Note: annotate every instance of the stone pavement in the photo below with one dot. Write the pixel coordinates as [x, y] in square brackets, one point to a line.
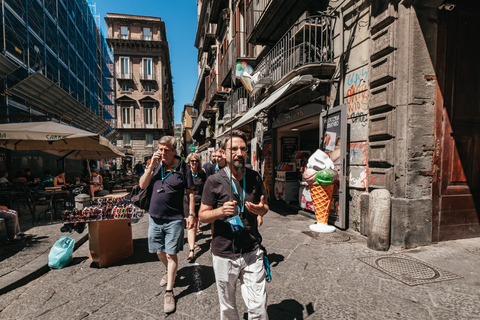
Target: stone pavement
[313, 278]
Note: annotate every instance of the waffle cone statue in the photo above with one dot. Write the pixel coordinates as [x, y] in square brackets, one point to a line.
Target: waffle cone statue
[320, 176]
[321, 198]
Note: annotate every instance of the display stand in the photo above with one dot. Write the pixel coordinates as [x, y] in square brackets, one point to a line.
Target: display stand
[110, 241]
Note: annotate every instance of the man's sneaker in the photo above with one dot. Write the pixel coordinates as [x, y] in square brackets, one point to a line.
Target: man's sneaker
[169, 304]
[164, 280]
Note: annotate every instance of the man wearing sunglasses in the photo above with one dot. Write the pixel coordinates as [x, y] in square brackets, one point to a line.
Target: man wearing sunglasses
[236, 254]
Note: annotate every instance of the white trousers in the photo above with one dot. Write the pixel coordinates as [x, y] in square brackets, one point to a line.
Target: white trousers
[249, 269]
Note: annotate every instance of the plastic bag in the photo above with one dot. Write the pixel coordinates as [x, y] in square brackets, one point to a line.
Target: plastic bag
[61, 253]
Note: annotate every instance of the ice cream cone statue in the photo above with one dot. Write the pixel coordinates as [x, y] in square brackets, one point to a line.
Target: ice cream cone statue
[320, 176]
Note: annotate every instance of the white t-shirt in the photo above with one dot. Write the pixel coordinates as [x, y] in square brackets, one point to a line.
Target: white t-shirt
[106, 166]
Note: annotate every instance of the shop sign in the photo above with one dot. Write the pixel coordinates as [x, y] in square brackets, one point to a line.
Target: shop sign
[333, 141]
[298, 114]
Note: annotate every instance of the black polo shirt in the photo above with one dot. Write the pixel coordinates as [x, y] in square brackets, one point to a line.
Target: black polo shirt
[167, 195]
[198, 182]
[224, 243]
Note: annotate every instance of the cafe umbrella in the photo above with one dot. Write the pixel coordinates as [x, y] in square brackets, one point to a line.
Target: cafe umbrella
[55, 138]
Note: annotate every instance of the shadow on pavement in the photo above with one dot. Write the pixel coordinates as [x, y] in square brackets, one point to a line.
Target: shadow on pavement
[286, 310]
[196, 278]
[275, 259]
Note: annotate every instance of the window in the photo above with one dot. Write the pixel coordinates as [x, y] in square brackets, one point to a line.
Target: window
[193, 122]
[125, 88]
[147, 69]
[146, 34]
[148, 117]
[126, 117]
[124, 32]
[148, 88]
[125, 68]
[194, 111]
[126, 140]
[149, 140]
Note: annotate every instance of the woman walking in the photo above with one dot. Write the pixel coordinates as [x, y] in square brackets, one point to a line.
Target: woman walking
[199, 177]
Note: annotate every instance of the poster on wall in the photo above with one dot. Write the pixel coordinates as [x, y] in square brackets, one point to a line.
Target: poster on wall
[333, 136]
[253, 156]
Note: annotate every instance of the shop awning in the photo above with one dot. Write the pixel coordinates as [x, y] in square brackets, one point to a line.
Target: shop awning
[267, 102]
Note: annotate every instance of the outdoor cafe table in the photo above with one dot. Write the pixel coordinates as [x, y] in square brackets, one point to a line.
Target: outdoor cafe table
[52, 194]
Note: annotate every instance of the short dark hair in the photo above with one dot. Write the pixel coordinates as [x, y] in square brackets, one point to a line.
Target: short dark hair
[234, 133]
[47, 173]
[27, 170]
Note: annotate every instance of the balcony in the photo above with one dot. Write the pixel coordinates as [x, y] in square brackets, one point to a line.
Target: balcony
[268, 20]
[306, 48]
[228, 60]
[237, 105]
[124, 76]
[147, 76]
[215, 93]
[216, 9]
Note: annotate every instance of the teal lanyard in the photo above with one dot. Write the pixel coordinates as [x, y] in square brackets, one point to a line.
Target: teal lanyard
[161, 170]
[242, 199]
[195, 175]
[217, 168]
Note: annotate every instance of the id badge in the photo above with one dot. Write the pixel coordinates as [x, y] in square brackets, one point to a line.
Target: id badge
[236, 224]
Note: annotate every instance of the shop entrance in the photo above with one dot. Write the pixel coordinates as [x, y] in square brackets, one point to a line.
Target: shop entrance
[456, 174]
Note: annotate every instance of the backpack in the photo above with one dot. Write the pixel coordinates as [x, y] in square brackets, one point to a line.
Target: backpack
[141, 197]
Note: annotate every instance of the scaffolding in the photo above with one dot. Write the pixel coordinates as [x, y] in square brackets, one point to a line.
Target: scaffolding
[60, 40]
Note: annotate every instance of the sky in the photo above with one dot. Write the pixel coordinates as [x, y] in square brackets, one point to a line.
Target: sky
[180, 17]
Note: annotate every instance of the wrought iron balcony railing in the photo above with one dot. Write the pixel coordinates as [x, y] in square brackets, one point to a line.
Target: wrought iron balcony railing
[309, 41]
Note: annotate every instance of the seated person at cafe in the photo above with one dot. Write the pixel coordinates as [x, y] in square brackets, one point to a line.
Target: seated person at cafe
[19, 177]
[59, 180]
[13, 228]
[48, 181]
[96, 183]
[29, 176]
[4, 179]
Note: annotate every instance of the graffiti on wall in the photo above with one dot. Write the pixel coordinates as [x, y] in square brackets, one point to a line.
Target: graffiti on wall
[357, 96]
[359, 155]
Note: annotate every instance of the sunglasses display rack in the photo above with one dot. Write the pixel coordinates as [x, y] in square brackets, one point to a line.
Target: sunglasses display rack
[104, 209]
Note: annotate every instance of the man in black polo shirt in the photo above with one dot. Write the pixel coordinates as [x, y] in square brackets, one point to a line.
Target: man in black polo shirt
[236, 255]
[171, 178]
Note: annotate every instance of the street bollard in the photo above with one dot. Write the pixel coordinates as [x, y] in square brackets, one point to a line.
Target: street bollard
[379, 220]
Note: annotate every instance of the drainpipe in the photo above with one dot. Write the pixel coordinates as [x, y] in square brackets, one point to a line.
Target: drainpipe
[342, 58]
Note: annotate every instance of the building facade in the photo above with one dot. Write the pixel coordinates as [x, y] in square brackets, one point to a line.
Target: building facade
[143, 82]
[54, 64]
[189, 119]
[399, 77]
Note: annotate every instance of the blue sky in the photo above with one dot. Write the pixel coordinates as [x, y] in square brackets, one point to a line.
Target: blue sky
[180, 17]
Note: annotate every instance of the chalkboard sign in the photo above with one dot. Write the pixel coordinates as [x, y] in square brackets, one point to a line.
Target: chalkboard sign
[289, 147]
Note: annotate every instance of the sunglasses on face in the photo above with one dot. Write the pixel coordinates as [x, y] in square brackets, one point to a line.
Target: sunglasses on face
[193, 161]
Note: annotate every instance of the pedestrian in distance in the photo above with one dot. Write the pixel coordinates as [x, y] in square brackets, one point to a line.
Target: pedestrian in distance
[199, 178]
[170, 178]
[236, 251]
[209, 167]
[139, 168]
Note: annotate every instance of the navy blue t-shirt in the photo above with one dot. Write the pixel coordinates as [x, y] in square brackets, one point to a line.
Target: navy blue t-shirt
[167, 195]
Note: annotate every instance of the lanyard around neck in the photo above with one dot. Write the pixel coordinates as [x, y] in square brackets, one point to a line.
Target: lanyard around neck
[161, 170]
[241, 207]
[195, 174]
[217, 168]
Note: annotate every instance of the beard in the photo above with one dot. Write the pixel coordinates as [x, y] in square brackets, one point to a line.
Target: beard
[239, 166]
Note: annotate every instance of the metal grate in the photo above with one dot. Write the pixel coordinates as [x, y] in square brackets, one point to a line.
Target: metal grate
[408, 270]
[333, 237]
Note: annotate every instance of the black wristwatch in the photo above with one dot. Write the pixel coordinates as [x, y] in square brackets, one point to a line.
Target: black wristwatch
[191, 215]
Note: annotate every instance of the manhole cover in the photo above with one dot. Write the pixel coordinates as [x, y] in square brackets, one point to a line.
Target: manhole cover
[332, 237]
[408, 270]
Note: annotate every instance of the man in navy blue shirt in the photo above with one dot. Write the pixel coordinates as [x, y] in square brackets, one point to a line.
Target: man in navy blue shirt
[170, 178]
